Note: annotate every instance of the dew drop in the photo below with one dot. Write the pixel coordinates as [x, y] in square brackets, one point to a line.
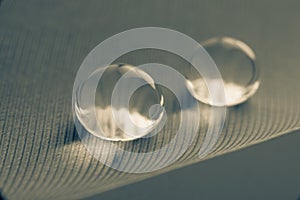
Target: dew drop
[142, 106]
[236, 63]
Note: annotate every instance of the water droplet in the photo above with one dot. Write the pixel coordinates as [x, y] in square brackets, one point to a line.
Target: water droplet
[236, 63]
[126, 116]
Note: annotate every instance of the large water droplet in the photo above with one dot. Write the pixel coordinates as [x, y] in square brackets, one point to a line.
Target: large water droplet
[112, 121]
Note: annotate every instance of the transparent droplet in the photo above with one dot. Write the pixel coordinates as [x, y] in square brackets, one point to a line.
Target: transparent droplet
[112, 121]
[236, 63]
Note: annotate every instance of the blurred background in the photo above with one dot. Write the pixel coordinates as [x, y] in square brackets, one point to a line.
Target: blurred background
[265, 171]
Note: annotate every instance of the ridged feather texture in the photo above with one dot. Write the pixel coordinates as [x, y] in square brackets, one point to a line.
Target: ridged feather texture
[43, 44]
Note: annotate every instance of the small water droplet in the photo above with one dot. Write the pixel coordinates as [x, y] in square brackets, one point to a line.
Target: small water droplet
[236, 63]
